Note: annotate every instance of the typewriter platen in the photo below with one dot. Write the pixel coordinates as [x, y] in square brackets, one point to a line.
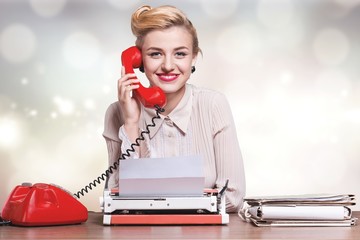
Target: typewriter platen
[174, 210]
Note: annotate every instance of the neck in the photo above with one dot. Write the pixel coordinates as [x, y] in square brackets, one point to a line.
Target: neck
[172, 100]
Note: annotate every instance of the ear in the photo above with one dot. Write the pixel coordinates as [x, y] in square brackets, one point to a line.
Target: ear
[193, 62]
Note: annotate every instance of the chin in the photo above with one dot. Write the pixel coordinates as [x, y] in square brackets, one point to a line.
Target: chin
[172, 89]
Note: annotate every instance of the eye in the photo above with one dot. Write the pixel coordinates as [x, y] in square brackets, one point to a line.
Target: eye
[155, 54]
[180, 54]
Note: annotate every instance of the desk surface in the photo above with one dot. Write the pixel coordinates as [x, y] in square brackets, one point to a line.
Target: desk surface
[236, 229]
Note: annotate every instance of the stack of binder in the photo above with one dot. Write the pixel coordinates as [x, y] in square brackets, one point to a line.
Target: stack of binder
[299, 210]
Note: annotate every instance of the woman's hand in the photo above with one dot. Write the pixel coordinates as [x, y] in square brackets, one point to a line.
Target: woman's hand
[130, 106]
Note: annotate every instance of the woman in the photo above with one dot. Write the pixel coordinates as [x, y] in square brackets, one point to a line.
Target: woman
[195, 121]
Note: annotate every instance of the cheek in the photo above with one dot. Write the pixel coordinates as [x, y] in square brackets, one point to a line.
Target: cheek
[185, 68]
[151, 65]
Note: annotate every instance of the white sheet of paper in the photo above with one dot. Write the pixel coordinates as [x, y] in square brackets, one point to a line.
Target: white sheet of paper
[175, 176]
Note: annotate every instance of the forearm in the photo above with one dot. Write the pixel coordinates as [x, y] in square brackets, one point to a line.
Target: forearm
[114, 153]
[128, 150]
[230, 167]
[228, 157]
[132, 131]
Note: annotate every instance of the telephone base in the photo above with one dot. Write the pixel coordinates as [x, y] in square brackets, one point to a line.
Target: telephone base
[42, 205]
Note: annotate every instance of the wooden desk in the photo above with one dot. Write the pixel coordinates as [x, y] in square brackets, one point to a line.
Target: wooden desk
[236, 229]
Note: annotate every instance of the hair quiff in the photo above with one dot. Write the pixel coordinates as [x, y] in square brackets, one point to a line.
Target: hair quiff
[146, 19]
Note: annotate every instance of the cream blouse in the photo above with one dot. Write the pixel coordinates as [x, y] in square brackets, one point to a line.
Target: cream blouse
[201, 124]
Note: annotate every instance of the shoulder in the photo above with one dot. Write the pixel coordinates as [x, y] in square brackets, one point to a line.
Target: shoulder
[112, 122]
[113, 111]
[213, 106]
[208, 97]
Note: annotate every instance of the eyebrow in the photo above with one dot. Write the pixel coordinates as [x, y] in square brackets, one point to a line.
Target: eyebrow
[159, 49]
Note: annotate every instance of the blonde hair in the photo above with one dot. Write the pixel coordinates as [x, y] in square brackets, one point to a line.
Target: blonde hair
[146, 19]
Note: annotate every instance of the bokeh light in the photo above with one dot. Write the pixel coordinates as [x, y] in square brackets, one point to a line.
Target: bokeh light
[119, 4]
[64, 106]
[227, 7]
[46, 8]
[10, 132]
[81, 50]
[331, 46]
[239, 44]
[89, 104]
[275, 13]
[17, 43]
[24, 81]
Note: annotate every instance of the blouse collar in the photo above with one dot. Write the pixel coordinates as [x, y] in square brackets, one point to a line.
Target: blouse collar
[180, 116]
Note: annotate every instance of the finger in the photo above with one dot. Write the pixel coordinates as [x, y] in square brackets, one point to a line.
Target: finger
[123, 73]
[126, 88]
[128, 77]
[131, 87]
[126, 80]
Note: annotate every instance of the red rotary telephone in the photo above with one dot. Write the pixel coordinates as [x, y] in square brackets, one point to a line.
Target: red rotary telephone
[42, 205]
[150, 97]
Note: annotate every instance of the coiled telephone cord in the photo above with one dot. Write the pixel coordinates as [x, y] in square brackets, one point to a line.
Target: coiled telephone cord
[116, 164]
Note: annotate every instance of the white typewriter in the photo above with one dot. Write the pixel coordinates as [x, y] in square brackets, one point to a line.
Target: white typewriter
[126, 207]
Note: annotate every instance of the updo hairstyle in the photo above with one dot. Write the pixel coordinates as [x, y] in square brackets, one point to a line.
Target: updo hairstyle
[146, 19]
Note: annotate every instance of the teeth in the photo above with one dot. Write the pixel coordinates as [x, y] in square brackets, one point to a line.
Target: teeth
[168, 76]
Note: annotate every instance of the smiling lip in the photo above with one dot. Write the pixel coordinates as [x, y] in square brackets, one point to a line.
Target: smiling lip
[168, 77]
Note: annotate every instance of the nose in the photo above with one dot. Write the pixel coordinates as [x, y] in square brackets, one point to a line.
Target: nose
[168, 64]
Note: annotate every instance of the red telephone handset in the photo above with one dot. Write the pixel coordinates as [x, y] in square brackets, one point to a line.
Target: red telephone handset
[149, 97]
[42, 205]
